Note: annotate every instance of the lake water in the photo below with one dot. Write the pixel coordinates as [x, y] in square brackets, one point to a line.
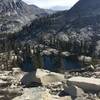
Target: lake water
[69, 63]
[27, 65]
[52, 63]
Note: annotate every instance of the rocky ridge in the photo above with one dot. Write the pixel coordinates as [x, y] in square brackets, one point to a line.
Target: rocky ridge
[14, 14]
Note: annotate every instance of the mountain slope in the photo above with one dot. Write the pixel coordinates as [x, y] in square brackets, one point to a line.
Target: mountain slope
[15, 13]
[81, 24]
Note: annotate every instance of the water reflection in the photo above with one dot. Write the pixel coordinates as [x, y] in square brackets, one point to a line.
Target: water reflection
[50, 62]
[70, 63]
[27, 64]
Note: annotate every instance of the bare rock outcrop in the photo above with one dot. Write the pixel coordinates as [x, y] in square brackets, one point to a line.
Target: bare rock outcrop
[44, 77]
[87, 84]
[39, 94]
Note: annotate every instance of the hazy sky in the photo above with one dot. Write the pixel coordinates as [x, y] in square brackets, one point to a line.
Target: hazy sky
[51, 3]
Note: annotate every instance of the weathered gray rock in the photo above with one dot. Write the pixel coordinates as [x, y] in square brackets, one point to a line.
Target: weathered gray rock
[90, 68]
[35, 94]
[5, 73]
[9, 87]
[85, 59]
[16, 70]
[97, 73]
[87, 84]
[17, 74]
[55, 88]
[49, 51]
[74, 91]
[66, 54]
[4, 83]
[2, 97]
[11, 91]
[61, 98]
[63, 37]
[39, 93]
[42, 76]
[14, 14]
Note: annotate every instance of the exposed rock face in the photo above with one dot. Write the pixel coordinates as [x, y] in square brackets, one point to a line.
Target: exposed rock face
[3, 83]
[35, 94]
[87, 84]
[9, 86]
[49, 51]
[42, 76]
[15, 13]
[39, 94]
[74, 91]
[7, 63]
[85, 59]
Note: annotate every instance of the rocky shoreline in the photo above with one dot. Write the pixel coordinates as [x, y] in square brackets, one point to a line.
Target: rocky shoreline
[45, 85]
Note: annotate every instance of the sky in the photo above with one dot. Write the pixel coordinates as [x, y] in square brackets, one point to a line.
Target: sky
[51, 3]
